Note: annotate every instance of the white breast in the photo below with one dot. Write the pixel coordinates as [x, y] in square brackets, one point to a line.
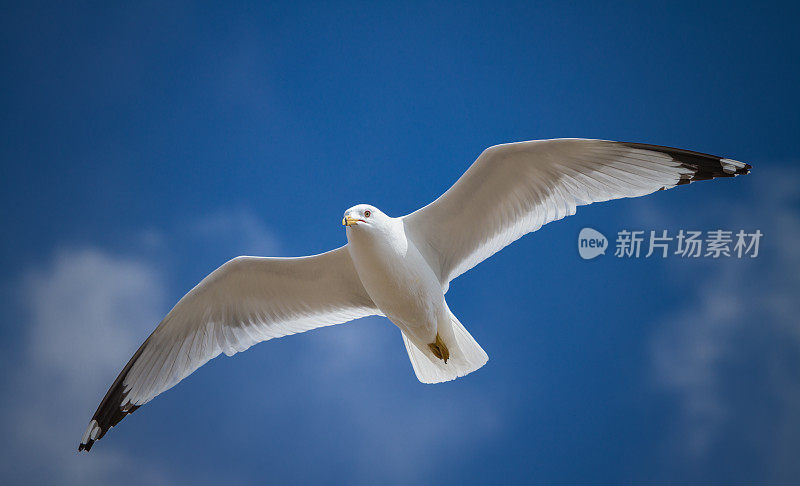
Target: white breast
[398, 279]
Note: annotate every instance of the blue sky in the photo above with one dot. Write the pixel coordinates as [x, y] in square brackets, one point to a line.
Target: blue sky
[144, 145]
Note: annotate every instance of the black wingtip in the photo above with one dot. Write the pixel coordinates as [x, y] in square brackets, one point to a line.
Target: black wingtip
[703, 166]
[113, 408]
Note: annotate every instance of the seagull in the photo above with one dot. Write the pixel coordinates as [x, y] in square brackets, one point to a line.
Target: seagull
[400, 268]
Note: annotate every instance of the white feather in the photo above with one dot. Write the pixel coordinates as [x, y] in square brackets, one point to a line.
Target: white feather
[514, 189]
[245, 301]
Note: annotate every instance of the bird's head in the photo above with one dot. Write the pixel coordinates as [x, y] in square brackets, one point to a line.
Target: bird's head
[364, 216]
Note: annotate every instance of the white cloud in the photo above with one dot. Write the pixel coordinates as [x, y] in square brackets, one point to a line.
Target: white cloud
[739, 331]
[87, 309]
[239, 227]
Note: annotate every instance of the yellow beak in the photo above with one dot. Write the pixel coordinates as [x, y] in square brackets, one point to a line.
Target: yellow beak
[349, 221]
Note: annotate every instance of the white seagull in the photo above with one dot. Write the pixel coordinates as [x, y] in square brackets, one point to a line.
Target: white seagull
[400, 268]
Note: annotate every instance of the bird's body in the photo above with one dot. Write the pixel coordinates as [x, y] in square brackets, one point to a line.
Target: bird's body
[398, 267]
[396, 276]
[402, 284]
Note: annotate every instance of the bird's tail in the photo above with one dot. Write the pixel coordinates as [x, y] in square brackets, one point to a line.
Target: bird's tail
[465, 355]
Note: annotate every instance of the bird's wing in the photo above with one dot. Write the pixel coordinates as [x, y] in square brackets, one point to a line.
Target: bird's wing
[513, 189]
[243, 302]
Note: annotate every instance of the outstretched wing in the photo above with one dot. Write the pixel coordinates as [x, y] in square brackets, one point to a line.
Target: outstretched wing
[243, 302]
[514, 189]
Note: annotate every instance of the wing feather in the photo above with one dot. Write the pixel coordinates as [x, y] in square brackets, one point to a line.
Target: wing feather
[514, 189]
[245, 301]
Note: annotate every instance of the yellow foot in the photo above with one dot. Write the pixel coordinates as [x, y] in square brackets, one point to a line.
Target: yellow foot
[439, 349]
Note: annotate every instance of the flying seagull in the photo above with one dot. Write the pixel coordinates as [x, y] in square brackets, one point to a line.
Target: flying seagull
[400, 268]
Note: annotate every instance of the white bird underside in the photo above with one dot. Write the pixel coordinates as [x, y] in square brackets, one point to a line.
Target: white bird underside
[510, 190]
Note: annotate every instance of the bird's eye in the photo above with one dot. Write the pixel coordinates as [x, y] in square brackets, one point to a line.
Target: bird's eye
[367, 213]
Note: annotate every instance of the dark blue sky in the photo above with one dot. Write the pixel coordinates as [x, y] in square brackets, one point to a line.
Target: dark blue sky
[144, 145]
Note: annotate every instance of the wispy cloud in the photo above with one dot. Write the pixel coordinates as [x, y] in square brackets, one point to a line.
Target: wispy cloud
[87, 309]
[739, 331]
[239, 228]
